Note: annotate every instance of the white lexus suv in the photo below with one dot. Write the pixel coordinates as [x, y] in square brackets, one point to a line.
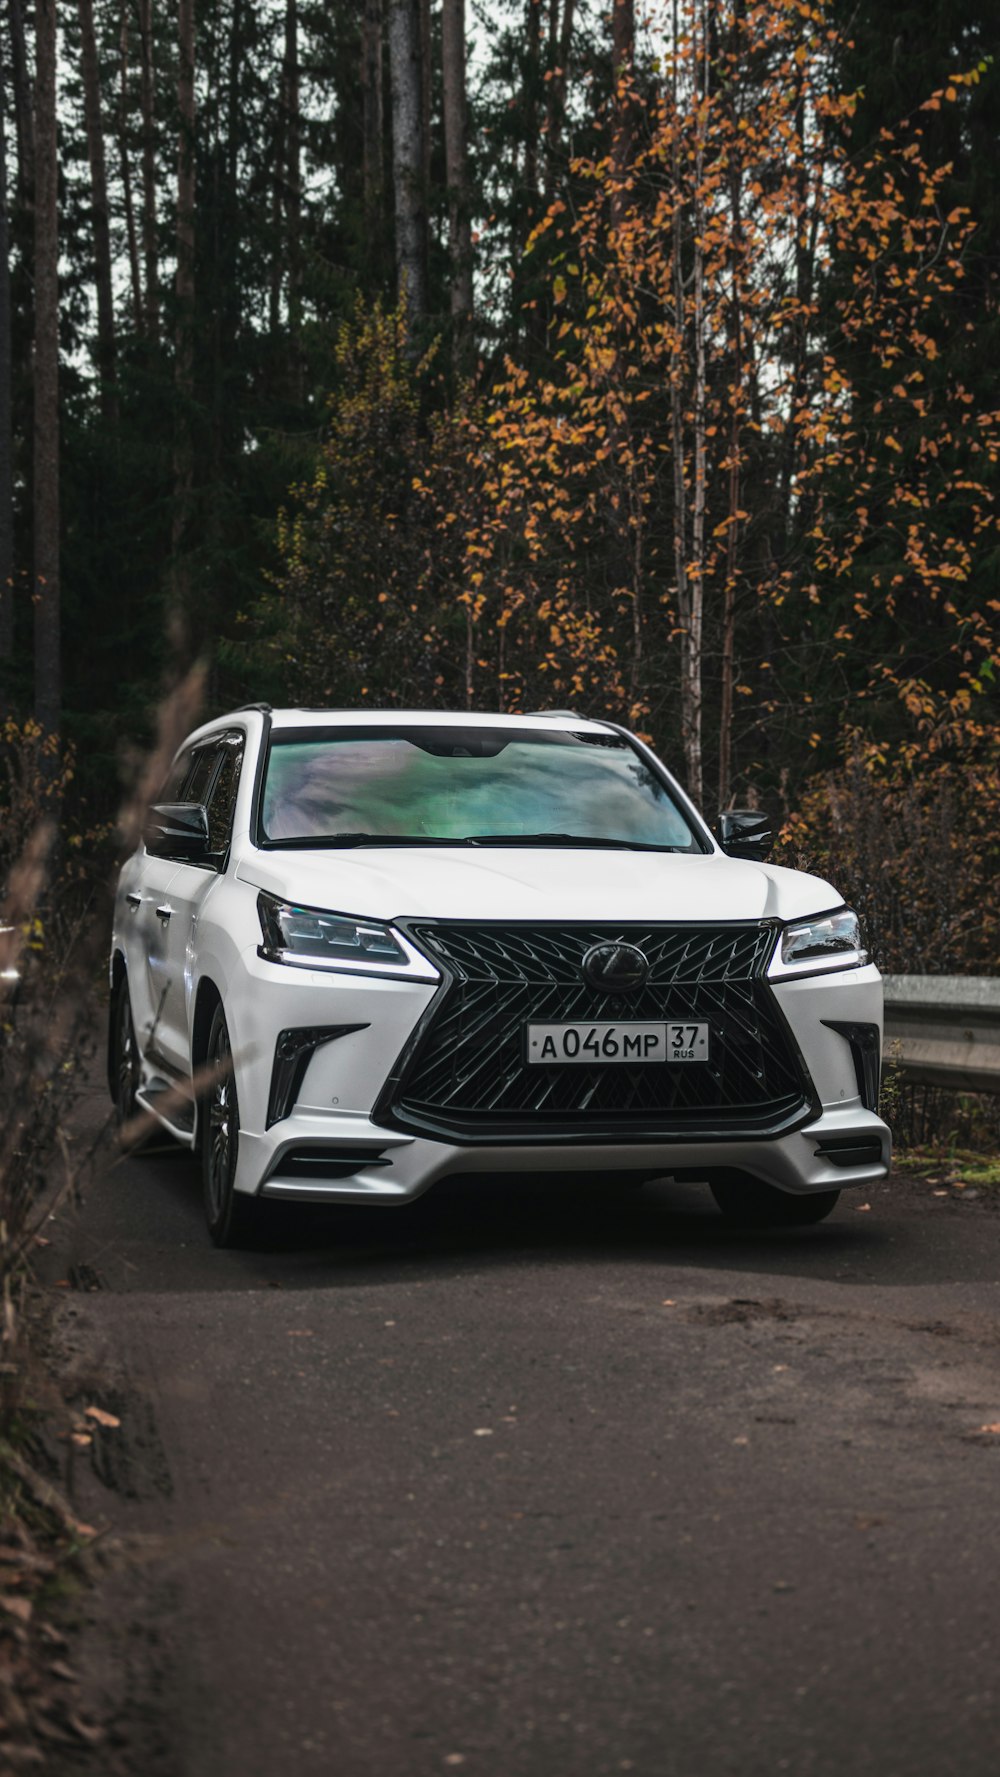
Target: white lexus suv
[400, 946]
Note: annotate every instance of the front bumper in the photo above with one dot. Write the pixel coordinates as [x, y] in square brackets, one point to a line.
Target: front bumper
[401, 1168]
[334, 1145]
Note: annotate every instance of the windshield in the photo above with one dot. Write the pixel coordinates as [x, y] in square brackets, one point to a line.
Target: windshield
[472, 786]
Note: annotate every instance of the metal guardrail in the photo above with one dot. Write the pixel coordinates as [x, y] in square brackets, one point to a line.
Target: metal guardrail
[944, 1030]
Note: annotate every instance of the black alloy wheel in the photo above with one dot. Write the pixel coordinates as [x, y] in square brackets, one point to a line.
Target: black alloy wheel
[749, 1203]
[126, 1057]
[229, 1213]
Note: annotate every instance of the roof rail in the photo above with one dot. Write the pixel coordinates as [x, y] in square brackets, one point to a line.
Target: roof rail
[265, 708]
[574, 715]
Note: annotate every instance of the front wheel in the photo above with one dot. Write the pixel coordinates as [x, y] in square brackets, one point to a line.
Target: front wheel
[125, 1053]
[229, 1213]
[749, 1203]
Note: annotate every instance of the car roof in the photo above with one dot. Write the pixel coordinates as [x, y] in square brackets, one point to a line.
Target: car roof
[393, 718]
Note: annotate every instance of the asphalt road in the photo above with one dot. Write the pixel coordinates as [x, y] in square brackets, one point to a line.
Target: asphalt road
[540, 1482]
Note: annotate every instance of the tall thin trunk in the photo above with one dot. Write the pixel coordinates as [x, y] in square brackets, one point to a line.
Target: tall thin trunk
[293, 200]
[679, 355]
[24, 120]
[128, 202]
[373, 119]
[735, 329]
[560, 43]
[147, 99]
[426, 95]
[531, 88]
[456, 158]
[48, 675]
[622, 52]
[407, 157]
[184, 440]
[6, 416]
[99, 209]
[691, 703]
[277, 170]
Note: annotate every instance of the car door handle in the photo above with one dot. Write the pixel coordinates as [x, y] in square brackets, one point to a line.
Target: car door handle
[133, 899]
[163, 912]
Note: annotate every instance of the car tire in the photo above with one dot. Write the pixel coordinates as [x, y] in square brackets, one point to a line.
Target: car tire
[125, 1052]
[749, 1203]
[230, 1215]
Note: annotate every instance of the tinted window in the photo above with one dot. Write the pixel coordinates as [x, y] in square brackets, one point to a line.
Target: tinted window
[223, 804]
[173, 788]
[198, 784]
[451, 784]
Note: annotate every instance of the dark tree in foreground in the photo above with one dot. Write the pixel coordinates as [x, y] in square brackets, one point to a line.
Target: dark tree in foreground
[48, 675]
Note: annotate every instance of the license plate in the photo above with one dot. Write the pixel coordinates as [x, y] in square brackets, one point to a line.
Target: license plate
[594, 1044]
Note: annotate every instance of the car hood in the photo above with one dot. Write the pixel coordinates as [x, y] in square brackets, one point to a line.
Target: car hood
[532, 883]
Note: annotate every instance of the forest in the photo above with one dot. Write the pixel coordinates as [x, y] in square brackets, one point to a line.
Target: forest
[642, 360]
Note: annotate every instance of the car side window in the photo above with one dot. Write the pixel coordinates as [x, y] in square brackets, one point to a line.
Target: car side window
[180, 771]
[198, 785]
[222, 806]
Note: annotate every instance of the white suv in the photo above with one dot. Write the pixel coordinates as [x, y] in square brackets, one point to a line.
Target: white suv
[408, 945]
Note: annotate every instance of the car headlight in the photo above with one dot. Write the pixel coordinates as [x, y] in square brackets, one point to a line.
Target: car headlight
[311, 938]
[812, 946]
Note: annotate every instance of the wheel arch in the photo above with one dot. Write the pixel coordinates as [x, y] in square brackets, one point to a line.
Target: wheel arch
[119, 974]
[207, 997]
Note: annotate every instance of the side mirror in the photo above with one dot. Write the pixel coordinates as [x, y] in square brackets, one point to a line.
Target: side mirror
[177, 830]
[745, 833]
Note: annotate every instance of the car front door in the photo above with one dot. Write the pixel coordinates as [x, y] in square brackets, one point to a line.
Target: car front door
[214, 782]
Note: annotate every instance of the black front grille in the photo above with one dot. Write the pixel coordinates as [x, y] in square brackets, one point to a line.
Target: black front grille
[466, 1074]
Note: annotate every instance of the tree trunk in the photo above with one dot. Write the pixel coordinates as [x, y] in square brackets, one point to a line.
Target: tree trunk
[560, 42]
[99, 206]
[23, 108]
[623, 51]
[735, 328]
[48, 682]
[407, 157]
[293, 200]
[456, 159]
[147, 99]
[372, 115]
[531, 88]
[184, 440]
[6, 418]
[426, 94]
[128, 202]
[692, 647]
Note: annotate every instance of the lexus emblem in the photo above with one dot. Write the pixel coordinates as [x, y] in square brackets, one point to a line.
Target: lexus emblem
[615, 968]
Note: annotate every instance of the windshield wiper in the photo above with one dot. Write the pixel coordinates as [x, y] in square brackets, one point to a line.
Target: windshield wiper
[339, 841]
[582, 840]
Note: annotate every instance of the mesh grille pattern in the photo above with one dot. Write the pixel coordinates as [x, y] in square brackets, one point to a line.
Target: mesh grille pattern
[468, 1073]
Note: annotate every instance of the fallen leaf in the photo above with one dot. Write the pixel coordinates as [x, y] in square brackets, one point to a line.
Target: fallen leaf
[939, 1193]
[741, 1440]
[483, 1431]
[670, 1303]
[861, 1208]
[454, 1758]
[993, 1430]
[21, 1608]
[82, 1438]
[40, 1240]
[100, 1417]
[89, 1734]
